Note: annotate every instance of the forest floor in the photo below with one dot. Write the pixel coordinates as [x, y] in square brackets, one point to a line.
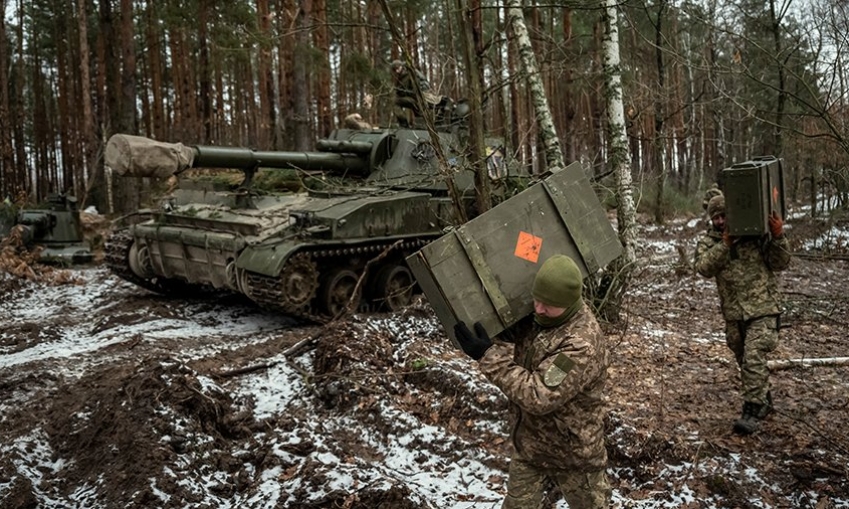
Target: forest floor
[116, 397]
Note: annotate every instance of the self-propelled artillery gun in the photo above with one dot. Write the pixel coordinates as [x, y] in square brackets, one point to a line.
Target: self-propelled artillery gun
[55, 227]
[308, 254]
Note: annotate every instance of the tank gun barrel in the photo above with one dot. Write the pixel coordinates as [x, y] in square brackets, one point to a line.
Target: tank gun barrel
[207, 156]
[136, 156]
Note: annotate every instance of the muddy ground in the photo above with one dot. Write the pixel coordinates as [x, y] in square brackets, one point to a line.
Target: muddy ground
[111, 400]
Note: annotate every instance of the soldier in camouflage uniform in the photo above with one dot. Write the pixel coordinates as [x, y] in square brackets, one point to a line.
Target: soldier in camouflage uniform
[744, 268]
[405, 95]
[554, 376]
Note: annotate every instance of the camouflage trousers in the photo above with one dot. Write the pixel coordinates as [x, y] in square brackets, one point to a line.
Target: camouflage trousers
[526, 484]
[751, 341]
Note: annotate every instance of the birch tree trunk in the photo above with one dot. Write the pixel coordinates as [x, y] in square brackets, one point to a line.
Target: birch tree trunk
[614, 280]
[550, 141]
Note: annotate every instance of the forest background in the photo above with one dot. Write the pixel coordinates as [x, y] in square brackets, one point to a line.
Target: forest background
[705, 84]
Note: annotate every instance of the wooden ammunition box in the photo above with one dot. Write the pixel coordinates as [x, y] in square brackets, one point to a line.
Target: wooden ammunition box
[753, 190]
[483, 271]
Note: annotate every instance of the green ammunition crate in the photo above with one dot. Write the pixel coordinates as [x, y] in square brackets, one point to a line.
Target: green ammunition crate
[753, 190]
[483, 270]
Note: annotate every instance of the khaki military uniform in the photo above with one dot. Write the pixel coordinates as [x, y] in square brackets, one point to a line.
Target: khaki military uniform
[748, 296]
[554, 380]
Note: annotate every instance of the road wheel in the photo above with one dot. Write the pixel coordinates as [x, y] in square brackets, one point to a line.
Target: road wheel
[337, 290]
[393, 287]
[298, 281]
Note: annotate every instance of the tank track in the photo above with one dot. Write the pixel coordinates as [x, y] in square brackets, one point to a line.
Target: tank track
[266, 291]
[116, 255]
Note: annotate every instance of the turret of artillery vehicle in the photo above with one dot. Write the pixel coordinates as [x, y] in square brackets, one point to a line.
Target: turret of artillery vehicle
[307, 254]
[56, 228]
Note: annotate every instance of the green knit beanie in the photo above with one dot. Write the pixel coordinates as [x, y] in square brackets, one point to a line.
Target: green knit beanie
[558, 282]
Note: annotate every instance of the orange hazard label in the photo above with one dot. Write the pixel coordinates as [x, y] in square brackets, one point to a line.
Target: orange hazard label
[528, 246]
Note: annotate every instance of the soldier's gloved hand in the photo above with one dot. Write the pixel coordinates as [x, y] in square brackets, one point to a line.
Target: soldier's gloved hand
[727, 238]
[776, 225]
[475, 344]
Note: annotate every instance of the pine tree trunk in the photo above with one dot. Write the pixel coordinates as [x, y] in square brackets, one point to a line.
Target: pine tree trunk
[204, 74]
[88, 137]
[499, 121]
[300, 80]
[20, 113]
[568, 103]
[777, 141]
[514, 99]
[470, 26]
[63, 86]
[266, 85]
[8, 180]
[322, 43]
[105, 100]
[128, 120]
[40, 134]
[219, 122]
[128, 190]
[379, 45]
[154, 61]
[285, 54]
[660, 161]
[248, 100]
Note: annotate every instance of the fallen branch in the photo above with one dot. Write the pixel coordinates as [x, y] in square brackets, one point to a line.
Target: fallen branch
[806, 363]
[303, 344]
[244, 370]
[820, 257]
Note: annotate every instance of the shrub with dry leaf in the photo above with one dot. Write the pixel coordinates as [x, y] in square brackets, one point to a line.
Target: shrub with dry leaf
[21, 262]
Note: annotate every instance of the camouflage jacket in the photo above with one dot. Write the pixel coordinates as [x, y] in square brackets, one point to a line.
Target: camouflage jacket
[744, 272]
[554, 380]
[404, 83]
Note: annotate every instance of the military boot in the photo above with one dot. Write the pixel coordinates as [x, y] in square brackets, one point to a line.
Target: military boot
[766, 409]
[752, 414]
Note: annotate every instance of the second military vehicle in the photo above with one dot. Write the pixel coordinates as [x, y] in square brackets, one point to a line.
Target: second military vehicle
[309, 254]
[55, 227]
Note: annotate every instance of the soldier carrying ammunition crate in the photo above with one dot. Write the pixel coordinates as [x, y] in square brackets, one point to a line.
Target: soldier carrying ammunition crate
[552, 367]
[744, 268]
